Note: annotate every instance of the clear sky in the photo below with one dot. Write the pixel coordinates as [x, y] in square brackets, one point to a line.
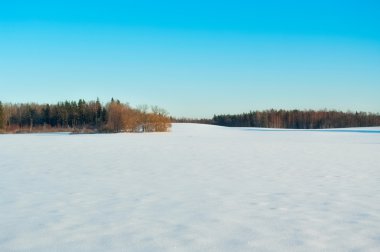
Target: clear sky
[194, 58]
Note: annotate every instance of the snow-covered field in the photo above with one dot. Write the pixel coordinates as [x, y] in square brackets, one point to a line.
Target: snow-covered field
[197, 188]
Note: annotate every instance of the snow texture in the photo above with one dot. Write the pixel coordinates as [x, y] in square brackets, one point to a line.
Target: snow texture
[197, 188]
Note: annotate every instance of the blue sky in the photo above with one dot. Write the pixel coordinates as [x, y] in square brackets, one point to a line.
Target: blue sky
[194, 58]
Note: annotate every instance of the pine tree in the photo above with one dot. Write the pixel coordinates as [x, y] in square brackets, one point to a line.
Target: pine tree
[1, 116]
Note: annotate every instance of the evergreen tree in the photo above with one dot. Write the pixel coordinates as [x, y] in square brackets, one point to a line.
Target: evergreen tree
[2, 123]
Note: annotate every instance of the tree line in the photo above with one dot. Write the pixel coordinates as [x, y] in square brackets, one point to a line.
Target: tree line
[298, 119]
[82, 116]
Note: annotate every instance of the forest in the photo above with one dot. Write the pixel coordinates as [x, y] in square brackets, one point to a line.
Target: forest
[298, 119]
[115, 116]
[82, 117]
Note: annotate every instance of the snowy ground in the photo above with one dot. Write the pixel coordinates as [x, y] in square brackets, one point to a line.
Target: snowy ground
[197, 188]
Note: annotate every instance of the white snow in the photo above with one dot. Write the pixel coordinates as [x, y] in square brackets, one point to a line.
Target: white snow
[197, 188]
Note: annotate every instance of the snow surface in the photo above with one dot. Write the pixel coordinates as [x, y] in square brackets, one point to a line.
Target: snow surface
[197, 188]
